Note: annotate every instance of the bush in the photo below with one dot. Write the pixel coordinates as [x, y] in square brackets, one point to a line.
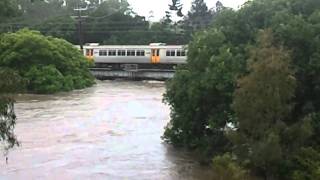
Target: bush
[201, 93]
[32, 54]
[306, 164]
[227, 168]
[45, 79]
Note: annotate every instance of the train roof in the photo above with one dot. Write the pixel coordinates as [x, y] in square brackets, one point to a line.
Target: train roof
[134, 46]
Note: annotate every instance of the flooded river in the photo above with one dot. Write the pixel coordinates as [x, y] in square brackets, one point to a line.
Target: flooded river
[110, 131]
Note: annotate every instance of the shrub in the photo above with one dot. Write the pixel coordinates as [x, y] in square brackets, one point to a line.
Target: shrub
[31, 54]
[226, 168]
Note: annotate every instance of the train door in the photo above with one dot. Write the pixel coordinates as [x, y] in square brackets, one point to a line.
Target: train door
[155, 56]
[89, 54]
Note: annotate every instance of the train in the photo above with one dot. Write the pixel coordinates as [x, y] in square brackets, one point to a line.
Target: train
[155, 56]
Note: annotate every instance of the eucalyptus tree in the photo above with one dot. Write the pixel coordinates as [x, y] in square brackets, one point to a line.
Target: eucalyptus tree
[199, 16]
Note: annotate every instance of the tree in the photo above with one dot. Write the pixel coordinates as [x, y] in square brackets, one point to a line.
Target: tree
[200, 95]
[39, 11]
[114, 22]
[61, 27]
[55, 63]
[262, 104]
[199, 16]
[8, 8]
[219, 6]
[10, 83]
[168, 33]
[176, 6]
[167, 19]
[273, 124]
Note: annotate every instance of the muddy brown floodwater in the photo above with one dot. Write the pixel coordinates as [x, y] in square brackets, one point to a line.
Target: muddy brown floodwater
[110, 131]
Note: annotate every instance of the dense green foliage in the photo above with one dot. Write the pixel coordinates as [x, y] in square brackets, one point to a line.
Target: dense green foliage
[105, 21]
[48, 64]
[8, 9]
[225, 168]
[251, 89]
[262, 105]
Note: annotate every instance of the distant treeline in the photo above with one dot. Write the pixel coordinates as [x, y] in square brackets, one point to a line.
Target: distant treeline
[106, 21]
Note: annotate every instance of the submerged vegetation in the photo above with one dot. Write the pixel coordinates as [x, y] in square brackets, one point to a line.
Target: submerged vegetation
[249, 96]
[47, 64]
[11, 82]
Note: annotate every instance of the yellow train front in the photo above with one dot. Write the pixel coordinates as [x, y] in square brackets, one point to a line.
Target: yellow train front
[155, 56]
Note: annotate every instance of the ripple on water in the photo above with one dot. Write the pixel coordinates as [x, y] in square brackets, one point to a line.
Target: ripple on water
[109, 131]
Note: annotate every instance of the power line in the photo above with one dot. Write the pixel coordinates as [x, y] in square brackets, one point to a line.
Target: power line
[109, 31]
[80, 36]
[86, 23]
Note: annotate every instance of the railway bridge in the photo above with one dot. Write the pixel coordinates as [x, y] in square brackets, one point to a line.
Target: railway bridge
[154, 61]
[105, 73]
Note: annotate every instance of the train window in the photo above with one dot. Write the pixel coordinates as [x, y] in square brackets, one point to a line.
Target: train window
[170, 52]
[140, 53]
[121, 52]
[131, 52]
[112, 52]
[102, 52]
[181, 52]
[178, 52]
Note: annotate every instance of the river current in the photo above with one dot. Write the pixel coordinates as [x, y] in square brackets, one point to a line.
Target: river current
[109, 131]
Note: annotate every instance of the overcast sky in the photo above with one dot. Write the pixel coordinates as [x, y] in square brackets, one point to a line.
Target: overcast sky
[143, 7]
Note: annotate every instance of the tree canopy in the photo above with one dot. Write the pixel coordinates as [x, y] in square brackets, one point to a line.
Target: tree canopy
[250, 89]
[56, 65]
[199, 16]
[106, 21]
[9, 8]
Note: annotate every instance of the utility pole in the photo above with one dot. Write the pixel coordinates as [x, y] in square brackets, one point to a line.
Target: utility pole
[79, 17]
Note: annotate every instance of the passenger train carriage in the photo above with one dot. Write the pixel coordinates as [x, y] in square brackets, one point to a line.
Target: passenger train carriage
[156, 56]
